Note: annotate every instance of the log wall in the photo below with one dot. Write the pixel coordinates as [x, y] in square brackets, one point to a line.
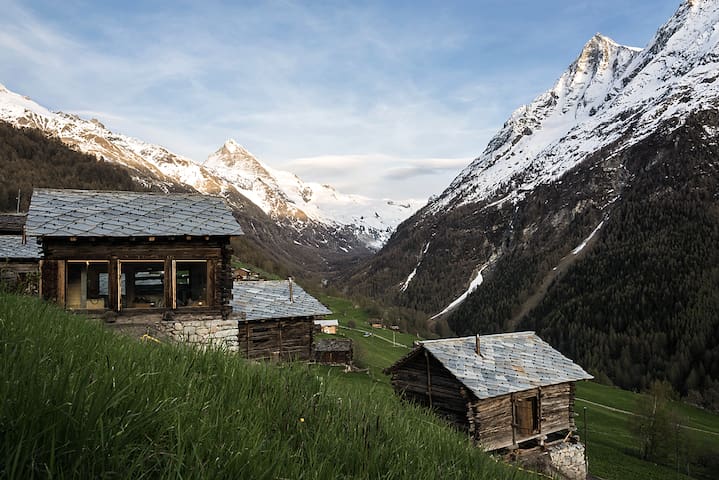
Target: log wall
[215, 250]
[423, 379]
[276, 339]
[492, 422]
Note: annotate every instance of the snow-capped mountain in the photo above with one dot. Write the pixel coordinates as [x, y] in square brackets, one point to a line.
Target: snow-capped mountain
[284, 194]
[612, 96]
[591, 216]
[230, 171]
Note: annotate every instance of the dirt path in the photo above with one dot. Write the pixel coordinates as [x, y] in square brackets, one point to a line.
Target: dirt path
[625, 412]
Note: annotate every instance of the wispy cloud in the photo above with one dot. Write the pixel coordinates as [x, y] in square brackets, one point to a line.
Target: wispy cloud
[359, 94]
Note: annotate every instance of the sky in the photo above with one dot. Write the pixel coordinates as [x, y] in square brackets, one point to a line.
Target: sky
[387, 99]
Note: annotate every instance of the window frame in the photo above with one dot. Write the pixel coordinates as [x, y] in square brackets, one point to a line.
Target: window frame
[65, 286]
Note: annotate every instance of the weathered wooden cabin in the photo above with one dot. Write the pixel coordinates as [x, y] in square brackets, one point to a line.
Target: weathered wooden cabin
[12, 223]
[507, 390]
[19, 262]
[332, 351]
[276, 319]
[135, 256]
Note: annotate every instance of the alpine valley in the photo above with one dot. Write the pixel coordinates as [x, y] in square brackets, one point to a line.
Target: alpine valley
[592, 217]
[305, 227]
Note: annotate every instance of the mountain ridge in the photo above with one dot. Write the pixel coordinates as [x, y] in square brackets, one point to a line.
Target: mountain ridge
[490, 251]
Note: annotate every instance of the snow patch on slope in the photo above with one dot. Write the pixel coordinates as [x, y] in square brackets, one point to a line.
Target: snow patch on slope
[581, 246]
[476, 282]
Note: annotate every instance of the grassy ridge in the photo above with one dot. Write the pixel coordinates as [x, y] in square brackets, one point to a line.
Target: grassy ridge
[77, 401]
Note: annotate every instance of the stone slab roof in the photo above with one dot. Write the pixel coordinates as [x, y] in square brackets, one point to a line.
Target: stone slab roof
[333, 345]
[510, 362]
[12, 248]
[270, 299]
[92, 213]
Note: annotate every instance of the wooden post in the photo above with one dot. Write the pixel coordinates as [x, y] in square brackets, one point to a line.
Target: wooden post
[429, 379]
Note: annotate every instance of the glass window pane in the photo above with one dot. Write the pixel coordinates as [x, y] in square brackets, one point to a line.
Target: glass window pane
[86, 286]
[191, 284]
[143, 284]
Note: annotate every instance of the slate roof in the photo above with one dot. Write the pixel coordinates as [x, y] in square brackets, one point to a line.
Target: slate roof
[12, 248]
[269, 299]
[92, 213]
[332, 345]
[510, 362]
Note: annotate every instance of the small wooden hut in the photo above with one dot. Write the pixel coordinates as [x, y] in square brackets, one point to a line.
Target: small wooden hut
[19, 262]
[507, 390]
[131, 254]
[277, 319]
[332, 351]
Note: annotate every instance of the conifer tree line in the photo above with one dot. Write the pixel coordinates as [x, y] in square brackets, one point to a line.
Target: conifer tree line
[643, 304]
[29, 159]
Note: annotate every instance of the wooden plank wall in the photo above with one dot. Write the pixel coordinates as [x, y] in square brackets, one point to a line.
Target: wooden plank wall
[276, 339]
[491, 419]
[491, 422]
[425, 380]
[557, 408]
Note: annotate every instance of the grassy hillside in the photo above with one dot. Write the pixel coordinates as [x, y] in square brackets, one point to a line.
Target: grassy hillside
[78, 401]
[612, 448]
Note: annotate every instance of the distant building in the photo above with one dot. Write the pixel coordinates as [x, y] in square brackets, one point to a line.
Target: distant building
[276, 319]
[332, 351]
[19, 262]
[12, 223]
[327, 326]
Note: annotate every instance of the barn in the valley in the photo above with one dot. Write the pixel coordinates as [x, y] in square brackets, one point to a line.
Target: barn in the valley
[277, 319]
[151, 258]
[508, 390]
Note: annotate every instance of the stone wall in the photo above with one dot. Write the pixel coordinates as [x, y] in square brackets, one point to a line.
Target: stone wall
[567, 459]
[202, 332]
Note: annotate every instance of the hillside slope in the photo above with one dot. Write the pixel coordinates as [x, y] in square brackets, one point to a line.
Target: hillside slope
[78, 401]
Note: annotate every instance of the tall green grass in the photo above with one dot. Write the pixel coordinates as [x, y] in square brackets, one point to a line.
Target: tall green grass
[77, 401]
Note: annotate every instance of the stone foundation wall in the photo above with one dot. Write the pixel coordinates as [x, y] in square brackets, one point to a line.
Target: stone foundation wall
[568, 460]
[202, 332]
[194, 328]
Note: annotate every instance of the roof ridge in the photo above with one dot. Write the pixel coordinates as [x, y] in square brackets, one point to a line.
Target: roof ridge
[525, 333]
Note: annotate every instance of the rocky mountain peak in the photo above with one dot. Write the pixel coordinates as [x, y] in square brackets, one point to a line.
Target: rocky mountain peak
[231, 156]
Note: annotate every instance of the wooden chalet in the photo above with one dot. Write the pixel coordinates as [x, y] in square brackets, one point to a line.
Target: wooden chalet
[19, 262]
[130, 254]
[276, 319]
[508, 390]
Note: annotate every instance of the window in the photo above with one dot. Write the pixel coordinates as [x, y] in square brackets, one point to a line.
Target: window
[86, 285]
[191, 283]
[142, 284]
[526, 416]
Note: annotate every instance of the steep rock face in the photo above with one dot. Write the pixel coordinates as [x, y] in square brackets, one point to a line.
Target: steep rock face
[489, 253]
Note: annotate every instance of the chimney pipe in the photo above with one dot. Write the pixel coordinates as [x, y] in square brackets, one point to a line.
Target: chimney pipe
[289, 280]
[476, 348]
